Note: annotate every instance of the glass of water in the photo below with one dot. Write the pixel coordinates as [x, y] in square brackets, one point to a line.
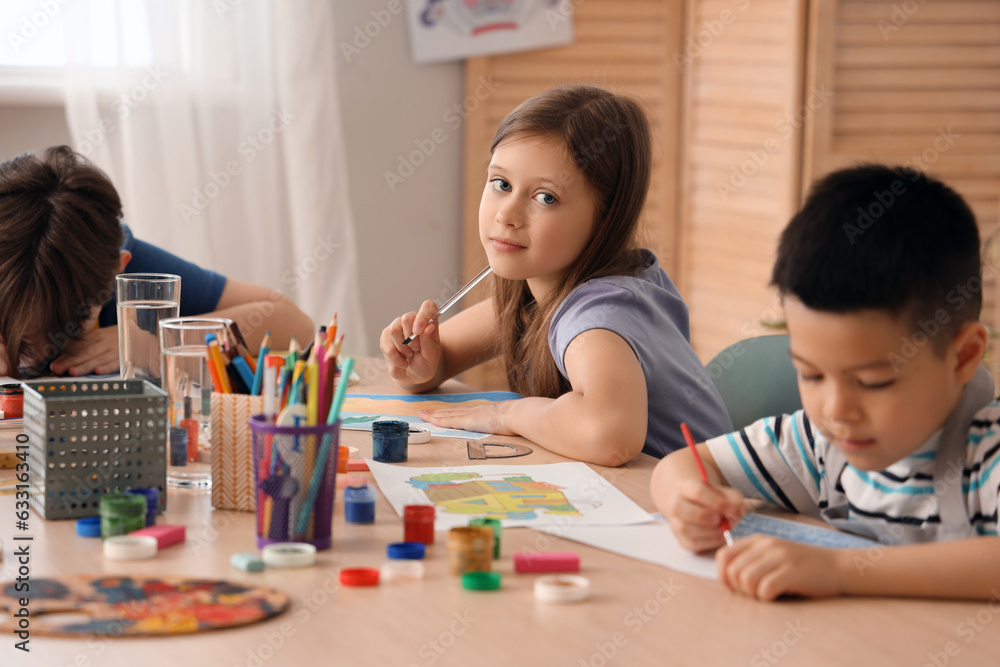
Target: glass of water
[143, 300]
[188, 383]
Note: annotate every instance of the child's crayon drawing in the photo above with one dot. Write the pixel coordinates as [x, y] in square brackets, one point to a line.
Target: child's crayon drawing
[554, 494]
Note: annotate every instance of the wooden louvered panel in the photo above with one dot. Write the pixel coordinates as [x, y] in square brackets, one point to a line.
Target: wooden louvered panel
[739, 97]
[626, 47]
[925, 95]
[938, 13]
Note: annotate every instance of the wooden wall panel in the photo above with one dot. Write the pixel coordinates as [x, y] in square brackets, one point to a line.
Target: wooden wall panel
[626, 47]
[740, 164]
[915, 84]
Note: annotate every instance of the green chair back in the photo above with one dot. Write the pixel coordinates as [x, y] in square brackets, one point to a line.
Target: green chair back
[756, 379]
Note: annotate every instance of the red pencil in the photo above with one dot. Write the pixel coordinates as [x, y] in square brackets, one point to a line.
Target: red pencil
[726, 530]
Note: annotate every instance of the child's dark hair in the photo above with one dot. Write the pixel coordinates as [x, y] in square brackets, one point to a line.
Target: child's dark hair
[889, 238]
[609, 138]
[60, 237]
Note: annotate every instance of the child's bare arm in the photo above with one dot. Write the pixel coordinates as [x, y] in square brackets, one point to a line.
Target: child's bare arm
[694, 509]
[257, 310]
[601, 420]
[765, 568]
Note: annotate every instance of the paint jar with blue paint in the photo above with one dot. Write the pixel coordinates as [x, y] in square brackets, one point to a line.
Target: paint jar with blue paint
[359, 501]
[152, 497]
[178, 446]
[389, 438]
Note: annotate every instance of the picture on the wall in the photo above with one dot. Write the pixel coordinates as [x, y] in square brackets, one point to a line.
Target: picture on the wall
[443, 30]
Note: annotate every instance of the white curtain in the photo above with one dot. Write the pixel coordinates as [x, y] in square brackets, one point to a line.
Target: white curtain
[219, 124]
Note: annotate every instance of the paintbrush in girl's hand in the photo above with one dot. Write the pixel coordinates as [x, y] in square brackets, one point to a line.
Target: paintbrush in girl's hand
[453, 300]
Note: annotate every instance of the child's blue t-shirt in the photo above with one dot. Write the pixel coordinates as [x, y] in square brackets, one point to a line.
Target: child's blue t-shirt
[201, 288]
[647, 311]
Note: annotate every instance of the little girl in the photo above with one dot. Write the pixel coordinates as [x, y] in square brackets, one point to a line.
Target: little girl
[591, 330]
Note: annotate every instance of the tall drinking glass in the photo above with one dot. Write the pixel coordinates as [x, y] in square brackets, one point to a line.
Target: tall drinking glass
[143, 300]
[188, 383]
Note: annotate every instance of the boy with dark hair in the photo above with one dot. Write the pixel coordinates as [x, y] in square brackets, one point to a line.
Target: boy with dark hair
[62, 243]
[898, 438]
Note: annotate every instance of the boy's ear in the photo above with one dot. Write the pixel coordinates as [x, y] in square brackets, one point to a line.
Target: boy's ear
[969, 347]
[124, 257]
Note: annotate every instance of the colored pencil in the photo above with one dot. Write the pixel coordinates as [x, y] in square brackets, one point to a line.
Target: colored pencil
[726, 530]
[215, 353]
[258, 375]
[324, 451]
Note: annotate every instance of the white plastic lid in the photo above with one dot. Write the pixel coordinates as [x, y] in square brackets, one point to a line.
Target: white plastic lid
[289, 554]
[402, 570]
[130, 547]
[562, 588]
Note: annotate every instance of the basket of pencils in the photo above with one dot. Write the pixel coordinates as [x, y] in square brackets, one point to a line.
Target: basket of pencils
[290, 389]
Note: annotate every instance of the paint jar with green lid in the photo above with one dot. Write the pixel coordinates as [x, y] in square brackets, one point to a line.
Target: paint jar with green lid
[495, 526]
[122, 513]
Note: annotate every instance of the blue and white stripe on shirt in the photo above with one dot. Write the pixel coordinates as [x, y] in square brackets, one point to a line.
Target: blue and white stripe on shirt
[782, 460]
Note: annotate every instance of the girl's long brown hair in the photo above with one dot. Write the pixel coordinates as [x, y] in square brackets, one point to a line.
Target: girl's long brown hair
[609, 138]
[60, 236]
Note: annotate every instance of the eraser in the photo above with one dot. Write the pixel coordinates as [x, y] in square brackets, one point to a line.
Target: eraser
[552, 561]
[246, 561]
[164, 534]
[354, 465]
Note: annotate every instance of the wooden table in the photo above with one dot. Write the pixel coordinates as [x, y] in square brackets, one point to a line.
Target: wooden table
[638, 614]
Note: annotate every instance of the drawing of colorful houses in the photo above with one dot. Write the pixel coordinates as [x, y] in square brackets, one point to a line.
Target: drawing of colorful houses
[517, 497]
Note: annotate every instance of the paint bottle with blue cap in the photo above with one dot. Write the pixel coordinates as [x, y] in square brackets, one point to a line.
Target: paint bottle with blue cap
[359, 501]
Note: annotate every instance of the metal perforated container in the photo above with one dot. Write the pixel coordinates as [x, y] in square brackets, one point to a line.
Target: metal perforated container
[87, 438]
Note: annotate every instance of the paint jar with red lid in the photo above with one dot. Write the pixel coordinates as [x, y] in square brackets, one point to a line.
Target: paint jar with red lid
[12, 401]
[418, 523]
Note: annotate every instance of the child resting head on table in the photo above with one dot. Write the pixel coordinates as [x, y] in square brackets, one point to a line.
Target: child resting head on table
[62, 245]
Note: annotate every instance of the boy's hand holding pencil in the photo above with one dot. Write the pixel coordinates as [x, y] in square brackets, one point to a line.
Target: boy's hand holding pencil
[699, 511]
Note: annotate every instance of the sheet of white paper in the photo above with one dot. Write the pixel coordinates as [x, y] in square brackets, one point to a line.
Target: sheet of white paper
[650, 542]
[554, 494]
[655, 542]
